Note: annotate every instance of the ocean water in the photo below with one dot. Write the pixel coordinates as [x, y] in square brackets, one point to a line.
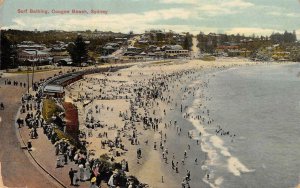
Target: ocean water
[260, 105]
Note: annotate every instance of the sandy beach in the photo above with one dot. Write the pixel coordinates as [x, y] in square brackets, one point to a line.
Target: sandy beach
[153, 119]
[123, 106]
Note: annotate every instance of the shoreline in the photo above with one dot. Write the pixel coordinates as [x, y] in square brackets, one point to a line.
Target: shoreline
[218, 146]
[152, 156]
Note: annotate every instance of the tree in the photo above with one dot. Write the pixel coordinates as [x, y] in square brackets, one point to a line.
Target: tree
[78, 52]
[223, 39]
[188, 42]
[202, 39]
[7, 53]
[286, 37]
[160, 36]
[294, 35]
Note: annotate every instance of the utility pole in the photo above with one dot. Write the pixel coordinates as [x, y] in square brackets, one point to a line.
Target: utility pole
[33, 64]
[27, 77]
[13, 60]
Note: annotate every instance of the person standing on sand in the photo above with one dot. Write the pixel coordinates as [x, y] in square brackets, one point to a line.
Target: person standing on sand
[71, 176]
[1, 106]
[188, 175]
[183, 183]
[111, 182]
[173, 165]
[66, 158]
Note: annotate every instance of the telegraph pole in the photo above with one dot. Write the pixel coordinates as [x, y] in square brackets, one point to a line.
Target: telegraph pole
[33, 64]
[27, 78]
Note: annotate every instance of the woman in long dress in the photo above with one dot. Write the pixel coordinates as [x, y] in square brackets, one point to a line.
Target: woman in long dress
[87, 172]
[81, 172]
[75, 178]
[111, 182]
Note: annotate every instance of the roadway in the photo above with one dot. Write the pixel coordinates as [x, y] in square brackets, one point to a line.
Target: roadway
[195, 50]
[16, 168]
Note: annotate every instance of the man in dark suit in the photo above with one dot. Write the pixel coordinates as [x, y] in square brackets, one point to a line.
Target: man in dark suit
[71, 175]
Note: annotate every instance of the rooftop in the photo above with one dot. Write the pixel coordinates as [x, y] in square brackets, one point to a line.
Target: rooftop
[34, 52]
[54, 89]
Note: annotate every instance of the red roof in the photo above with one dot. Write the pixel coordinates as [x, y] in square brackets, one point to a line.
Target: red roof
[227, 47]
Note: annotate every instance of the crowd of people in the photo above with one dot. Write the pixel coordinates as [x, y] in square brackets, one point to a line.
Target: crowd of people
[14, 83]
[151, 101]
[87, 168]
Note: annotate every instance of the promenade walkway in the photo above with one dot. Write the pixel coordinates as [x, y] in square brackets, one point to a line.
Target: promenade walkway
[17, 169]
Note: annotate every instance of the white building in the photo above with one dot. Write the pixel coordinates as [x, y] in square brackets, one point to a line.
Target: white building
[176, 51]
[32, 55]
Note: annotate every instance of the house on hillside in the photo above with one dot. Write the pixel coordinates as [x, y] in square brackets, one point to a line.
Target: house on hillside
[229, 50]
[174, 51]
[33, 55]
[281, 55]
[110, 47]
[30, 45]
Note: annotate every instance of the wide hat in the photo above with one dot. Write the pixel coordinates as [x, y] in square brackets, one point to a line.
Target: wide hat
[93, 180]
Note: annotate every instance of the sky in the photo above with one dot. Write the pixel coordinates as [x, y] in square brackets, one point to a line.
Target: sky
[260, 17]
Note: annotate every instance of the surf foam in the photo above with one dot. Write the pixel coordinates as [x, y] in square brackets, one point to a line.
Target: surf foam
[214, 146]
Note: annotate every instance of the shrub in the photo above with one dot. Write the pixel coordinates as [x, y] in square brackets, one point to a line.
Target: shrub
[208, 58]
[60, 134]
[50, 109]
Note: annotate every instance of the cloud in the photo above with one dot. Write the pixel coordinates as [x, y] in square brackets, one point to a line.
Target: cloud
[19, 22]
[169, 14]
[279, 12]
[212, 7]
[125, 23]
[137, 22]
[236, 4]
[293, 15]
[187, 15]
[284, 14]
[223, 3]
[179, 1]
[221, 7]
[252, 30]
